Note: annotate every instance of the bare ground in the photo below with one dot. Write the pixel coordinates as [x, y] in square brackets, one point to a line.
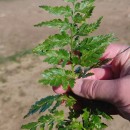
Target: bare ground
[18, 80]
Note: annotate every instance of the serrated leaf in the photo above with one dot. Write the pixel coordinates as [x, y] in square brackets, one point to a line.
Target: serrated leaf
[85, 7]
[85, 117]
[70, 101]
[75, 125]
[42, 105]
[75, 60]
[46, 106]
[49, 119]
[63, 25]
[55, 56]
[96, 122]
[57, 77]
[78, 18]
[57, 40]
[86, 114]
[104, 115]
[95, 47]
[58, 103]
[58, 10]
[30, 126]
[86, 29]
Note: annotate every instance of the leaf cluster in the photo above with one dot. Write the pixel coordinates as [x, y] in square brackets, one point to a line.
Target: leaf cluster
[82, 54]
[57, 119]
[74, 34]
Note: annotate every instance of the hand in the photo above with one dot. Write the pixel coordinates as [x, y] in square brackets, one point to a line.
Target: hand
[110, 83]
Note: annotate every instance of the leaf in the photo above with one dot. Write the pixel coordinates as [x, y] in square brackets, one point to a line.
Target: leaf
[49, 119]
[85, 7]
[30, 126]
[96, 122]
[70, 101]
[61, 10]
[95, 47]
[42, 105]
[75, 125]
[55, 56]
[86, 114]
[58, 103]
[104, 115]
[63, 25]
[57, 77]
[78, 18]
[85, 117]
[75, 60]
[57, 40]
[86, 29]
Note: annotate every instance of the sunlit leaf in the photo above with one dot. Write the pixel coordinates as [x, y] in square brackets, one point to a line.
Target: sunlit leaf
[55, 56]
[95, 47]
[58, 10]
[86, 29]
[30, 126]
[57, 77]
[63, 25]
[57, 40]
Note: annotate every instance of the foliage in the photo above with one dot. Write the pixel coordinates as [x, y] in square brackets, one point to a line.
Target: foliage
[83, 54]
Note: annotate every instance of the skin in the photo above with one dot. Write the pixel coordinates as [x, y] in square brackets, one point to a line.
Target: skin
[111, 83]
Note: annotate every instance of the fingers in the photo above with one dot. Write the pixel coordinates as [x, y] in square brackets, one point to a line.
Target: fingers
[112, 50]
[104, 90]
[59, 90]
[101, 73]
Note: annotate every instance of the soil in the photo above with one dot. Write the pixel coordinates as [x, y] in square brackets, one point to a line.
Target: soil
[19, 87]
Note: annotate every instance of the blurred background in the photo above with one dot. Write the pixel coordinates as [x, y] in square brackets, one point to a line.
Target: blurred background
[20, 70]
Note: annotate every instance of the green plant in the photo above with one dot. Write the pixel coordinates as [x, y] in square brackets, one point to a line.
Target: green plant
[83, 54]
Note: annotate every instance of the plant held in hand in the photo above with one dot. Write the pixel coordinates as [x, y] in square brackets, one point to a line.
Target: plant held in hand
[83, 54]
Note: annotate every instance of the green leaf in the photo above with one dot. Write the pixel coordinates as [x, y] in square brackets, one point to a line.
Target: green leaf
[42, 105]
[63, 25]
[57, 40]
[96, 121]
[104, 115]
[75, 125]
[49, 119]
[85, 117]
[85, 7]
[57, 77]
[70, 101]
[78, 18]
[95, 47]
[61, 10]
[56, 56]
[75, 60]
[86, 114]
[30, 126]
[86, 29]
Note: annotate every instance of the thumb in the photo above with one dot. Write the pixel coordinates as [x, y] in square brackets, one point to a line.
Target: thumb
[105, 90]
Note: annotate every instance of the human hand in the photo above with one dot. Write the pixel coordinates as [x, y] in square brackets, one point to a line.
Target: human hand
[110, 83]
